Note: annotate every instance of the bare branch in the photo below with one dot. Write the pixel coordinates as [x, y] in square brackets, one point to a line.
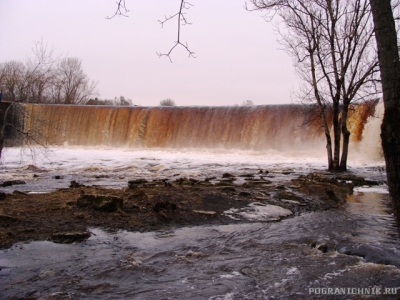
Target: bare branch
[182, 20]
[121, 10]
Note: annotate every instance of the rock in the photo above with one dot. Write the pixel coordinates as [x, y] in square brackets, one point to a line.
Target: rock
[288, 196]
[244, 194]
[101, 176]
[205, 212]
[294, 202]
[100, 202]
[58, 177]
[227, 175]
[35, 176]
[70, 237]
[138, 195]
[164, 205]
[356, 180]
[226, 189]
[73, 184]
[132, 184]
[184, 180]
[3, 196]
[16, 192]
[287, 172]
[13, 182]
[246, 175]
[7, 219]
[324, 246]
[224, 183]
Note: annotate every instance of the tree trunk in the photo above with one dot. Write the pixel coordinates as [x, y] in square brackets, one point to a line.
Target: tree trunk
[336, 135]
[1, 142]
[386, 37]
[345, 135]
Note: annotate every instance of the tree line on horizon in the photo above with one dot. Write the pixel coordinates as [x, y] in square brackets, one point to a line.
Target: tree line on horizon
[46, 79]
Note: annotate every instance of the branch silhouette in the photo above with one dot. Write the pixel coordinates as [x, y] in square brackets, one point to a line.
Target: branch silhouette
[122, 10]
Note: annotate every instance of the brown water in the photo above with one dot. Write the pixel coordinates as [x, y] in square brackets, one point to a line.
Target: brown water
[279, 127]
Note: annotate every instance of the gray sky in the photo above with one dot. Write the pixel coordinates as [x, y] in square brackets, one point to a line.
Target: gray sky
[237, 54]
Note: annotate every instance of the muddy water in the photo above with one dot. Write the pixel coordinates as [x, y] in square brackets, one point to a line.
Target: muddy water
[298, 258]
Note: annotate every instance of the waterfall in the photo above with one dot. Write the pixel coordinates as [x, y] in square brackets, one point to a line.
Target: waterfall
[277, 127]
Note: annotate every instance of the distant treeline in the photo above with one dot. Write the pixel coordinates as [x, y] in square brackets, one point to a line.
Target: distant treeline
[46, 80]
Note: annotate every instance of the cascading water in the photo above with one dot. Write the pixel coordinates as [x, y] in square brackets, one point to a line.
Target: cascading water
[279, 127]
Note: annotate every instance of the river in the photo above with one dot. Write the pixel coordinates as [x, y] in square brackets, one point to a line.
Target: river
[347, 253]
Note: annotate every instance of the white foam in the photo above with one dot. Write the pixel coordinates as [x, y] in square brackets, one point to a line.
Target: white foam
[256, 212]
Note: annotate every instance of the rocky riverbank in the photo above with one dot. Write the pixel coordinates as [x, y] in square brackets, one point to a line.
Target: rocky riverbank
[65, 215]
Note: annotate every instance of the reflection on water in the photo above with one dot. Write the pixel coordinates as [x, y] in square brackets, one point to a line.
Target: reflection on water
[248, 261]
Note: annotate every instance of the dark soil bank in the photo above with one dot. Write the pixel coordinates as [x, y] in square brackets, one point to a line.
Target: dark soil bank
[65, 215]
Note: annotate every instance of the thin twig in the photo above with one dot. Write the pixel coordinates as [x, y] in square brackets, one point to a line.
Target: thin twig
[121, 10]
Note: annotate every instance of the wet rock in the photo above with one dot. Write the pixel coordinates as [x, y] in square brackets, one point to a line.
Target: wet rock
[322, 187]
[35, 175]
[13, 182]
[164, 205]
[16, 192]
[101, 176]
[356, 180]
[293, 202]
[370, 254]
[205, 212]
[137, 195]
[324, 246]
[257, 182]
[287, 172]
[244, 194]
[5, 219]
[73, 184]
[186, 181]
[193, 181]
[194, 254]
[288, 196]
[227, 175]
[58, 177]
[227, 189]
[100, 202]
[70, 237]
[3, 196]
[132, 184]
[224, 183]
[246, 175]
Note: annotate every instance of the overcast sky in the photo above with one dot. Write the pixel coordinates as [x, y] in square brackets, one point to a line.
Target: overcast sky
[238, 57]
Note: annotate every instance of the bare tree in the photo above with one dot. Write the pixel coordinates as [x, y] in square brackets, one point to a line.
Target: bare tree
[12, 79]
[46, 79]
[167, 102]
[70, 84]
[17, 80]
[331, 42]
[389, 61]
